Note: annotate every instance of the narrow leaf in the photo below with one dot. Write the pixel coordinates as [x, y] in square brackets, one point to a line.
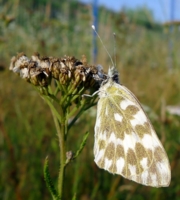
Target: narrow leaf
[48, 181]
[81, 145]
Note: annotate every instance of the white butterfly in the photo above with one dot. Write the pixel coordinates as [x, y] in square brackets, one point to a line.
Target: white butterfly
[125, 140]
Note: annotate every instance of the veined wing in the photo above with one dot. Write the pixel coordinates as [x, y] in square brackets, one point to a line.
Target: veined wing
[125, 141]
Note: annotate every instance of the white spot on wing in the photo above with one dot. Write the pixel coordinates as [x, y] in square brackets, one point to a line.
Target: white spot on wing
[156, 141]
[120, 165]
[147, 141]
[144, 177]
[119, 141]
[108, 163]
[118, 117]
[162, 167]
[132, 169]
[125, 103]
[144, 163]
[128, 142]
[99, 155]
[139, 118]
[112, 138]
[102, 136]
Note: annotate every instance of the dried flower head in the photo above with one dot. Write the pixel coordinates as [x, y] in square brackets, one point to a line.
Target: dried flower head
[70, 72]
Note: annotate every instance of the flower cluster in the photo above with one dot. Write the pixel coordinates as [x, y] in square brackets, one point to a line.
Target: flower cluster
[40, 71]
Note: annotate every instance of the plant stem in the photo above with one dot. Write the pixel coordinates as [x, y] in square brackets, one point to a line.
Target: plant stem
[53, 109]
[61, 135]
[61, 128]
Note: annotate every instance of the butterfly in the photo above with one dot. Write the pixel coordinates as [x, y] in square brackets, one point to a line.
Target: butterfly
[125, 140]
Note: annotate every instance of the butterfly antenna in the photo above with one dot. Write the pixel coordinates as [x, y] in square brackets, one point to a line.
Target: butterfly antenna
[93, 27]
[115, 59]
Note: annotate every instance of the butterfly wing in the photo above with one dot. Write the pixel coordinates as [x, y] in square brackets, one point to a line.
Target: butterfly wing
[125, 141]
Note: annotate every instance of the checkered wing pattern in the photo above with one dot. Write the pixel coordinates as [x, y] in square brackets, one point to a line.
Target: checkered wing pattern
[125, 140]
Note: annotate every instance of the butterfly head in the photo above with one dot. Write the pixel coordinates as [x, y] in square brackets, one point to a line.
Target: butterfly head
[111, 77]
[113, 74]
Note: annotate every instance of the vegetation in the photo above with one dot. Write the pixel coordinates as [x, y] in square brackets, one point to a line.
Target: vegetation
[148, 62]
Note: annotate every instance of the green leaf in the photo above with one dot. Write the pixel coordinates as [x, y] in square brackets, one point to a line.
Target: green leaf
[48, 181]
[81, 145]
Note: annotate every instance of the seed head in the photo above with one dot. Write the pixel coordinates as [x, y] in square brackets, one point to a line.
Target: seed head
[71, 73]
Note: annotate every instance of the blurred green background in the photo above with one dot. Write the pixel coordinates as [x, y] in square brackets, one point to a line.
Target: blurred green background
[148, 60]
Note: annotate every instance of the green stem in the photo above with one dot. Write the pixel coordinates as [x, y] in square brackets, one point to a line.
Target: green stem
[61, 128]
[53, 109]
[62, 144]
